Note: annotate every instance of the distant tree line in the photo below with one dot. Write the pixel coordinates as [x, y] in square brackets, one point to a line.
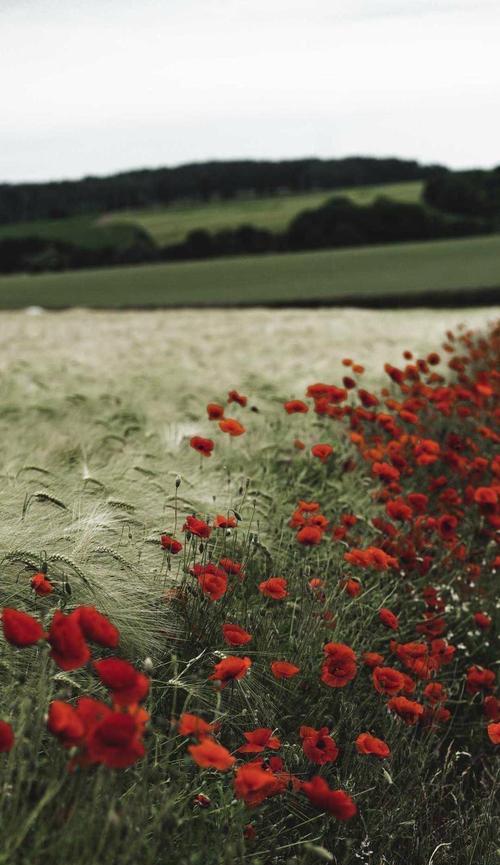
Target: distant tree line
[337, 223]
[468, 193]
[199, 182]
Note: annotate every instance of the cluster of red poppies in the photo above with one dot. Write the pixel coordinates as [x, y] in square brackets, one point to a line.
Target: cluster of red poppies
[430, 496]
[98, 732]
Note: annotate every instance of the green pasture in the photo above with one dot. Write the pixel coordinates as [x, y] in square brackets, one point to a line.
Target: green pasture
[84, 231]
[170, 225]
[358, 274]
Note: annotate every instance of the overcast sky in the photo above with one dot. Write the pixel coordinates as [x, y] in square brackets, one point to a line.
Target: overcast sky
[97, 86]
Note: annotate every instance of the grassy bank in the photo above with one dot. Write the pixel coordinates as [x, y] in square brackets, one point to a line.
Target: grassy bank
[398, 273]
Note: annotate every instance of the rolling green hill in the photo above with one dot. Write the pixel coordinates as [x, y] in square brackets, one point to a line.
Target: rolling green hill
[398, 273]
[172, 224]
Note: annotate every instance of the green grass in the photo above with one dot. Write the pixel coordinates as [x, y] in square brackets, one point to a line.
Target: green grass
[85, 231]
[352, 274]
[171, 224]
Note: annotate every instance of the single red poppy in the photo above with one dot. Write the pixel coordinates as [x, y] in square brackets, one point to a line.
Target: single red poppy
[408, 710]
[225, 522]
[258, 740]
[230, 669]
[202, 445]
[192, 725]
[126, 684]
[115, 742]
[274, 587]
[367, 744]
[197, 527]
[310, 536]
[284, 669]
[69, 649]
[296, 406]
[63, 721]
[210, 755]
[253, 784]
[318, 745]
[171, 544]
[20, 629]
[234, 635]
[232, 427]
[215, 411]
[41, 585]
[322, 451]
[335, 802]
[213, 583]
[339, 667]
[97, 628]
[389, 619]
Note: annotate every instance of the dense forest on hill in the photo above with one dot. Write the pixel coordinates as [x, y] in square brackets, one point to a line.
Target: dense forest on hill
[198, 182]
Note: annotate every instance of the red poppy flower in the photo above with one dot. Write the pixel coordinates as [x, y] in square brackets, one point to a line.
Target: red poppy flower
[334, 802]
[480, 679]
[397, 510]
[63, 721]
[202, 445]
[97, 628]
[253, 784]
[309, 536]
[170, 544]
[41, 585]
[213, 584]
[21, 629]
[367, 744]
[408, 710]
[339, 668]
[434, 693]
[491, 708]
[299, 444]
[388, 619]
[373, 659]
[210, 755]
[6, 737]
[231, 567]
[192, 725]
[235, 636]
[197, 527]
[127, 685]
[318, 746]
[274, 587]
[483, 621]
[284, 669]
[69, 649]
[115, 742]
[258, 740]
[229, 669]
[296, 406]
[232, 427]
[494, 733]
[215, 411]
[222, 522]
[234, 396]
[387, 680]
[322, 451]
[353, 588]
